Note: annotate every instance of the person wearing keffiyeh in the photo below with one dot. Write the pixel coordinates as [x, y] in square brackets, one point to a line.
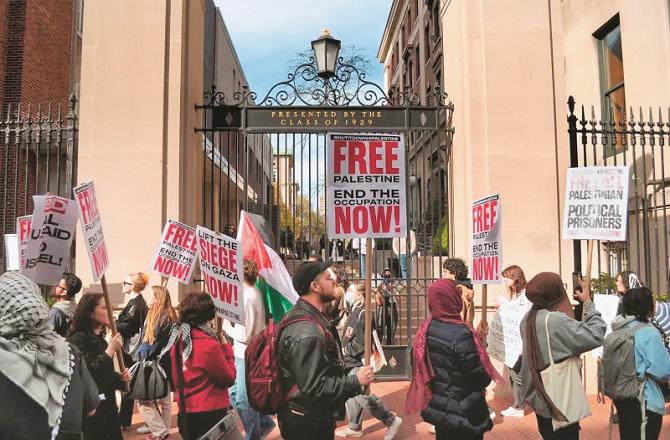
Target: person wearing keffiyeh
[41, 375]
[206, 364]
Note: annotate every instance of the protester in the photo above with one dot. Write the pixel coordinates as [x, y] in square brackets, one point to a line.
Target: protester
[62, 311]
[161, 317]
[312, 370]
[652, 364]
[387, 307]
[455, 269]
[130, 322]
[256, 425]
[625, 281]
[87, 332]
[207, 367]
[399, 245]
[44, 382]
[353, 351]
[336, 310]
[568, 338]
[361, 246]
[451, 369]
[515, 283]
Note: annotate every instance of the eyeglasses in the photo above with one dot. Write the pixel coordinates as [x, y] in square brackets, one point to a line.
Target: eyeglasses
[126, 283]
[62, 289]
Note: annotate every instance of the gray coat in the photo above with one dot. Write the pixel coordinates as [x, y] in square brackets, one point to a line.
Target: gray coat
[569, 337]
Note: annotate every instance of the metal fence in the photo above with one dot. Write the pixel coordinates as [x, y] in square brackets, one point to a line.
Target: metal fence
[637, 139]
[38, 151]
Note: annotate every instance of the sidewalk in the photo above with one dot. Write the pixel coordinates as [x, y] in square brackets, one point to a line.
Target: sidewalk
[393, 394]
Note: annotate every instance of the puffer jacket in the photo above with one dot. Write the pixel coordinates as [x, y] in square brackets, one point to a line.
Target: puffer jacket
[458, 405]
[312, 370]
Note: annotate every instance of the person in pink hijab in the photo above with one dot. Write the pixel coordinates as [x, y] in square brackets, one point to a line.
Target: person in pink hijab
[451, 369]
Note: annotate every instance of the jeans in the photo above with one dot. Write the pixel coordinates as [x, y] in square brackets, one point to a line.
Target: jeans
[405, 269]
[630, 420]
[362, 264]
[544, 425]
[296, 426]
[157, 414]
[370, 402]
[255, 423]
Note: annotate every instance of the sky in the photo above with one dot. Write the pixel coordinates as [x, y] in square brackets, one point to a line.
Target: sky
[267, 34]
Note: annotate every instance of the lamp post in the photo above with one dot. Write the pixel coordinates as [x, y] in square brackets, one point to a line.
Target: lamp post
[326, 50]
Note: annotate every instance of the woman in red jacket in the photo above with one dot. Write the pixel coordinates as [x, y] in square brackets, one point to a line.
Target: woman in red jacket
[207, 366]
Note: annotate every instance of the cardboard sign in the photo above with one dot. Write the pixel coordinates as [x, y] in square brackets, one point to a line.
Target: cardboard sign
[177, 253]
[596, 203]
[365, 184]
[23, 227]
[487, 240]
[607, 305]
[48, 249]
[91, 227]
[504, 339]
[12, 252]
[222, 268]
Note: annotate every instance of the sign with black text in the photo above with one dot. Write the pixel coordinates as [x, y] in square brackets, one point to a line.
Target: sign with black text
[91, 227]
[596, 203]
[23, 227]
[365, 184]
[487, 240]
[177, 252]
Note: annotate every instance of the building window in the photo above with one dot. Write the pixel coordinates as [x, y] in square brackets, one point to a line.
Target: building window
[436, 19]
[610, 61]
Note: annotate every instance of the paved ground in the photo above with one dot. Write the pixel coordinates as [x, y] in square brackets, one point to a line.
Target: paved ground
[393, 393]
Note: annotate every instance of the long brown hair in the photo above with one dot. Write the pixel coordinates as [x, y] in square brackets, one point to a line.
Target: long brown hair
[159, 310]
[515, 273]
[83, 321]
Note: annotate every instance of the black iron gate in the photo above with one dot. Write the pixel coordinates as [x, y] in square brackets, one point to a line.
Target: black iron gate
[38, 151]
[267, 156]
[639, 140]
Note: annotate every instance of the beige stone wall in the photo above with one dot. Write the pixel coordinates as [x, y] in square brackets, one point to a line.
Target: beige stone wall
[142, 174]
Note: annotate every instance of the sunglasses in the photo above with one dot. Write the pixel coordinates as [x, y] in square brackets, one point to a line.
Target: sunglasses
[126, 283]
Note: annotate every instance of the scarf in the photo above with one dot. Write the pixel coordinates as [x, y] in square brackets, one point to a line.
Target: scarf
[184, 329]
[32, 355]
[546, 292]
[67, 307]
[445, 304]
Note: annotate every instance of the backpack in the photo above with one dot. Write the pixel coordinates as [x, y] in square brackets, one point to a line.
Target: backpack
[619, 376]
[261, 364]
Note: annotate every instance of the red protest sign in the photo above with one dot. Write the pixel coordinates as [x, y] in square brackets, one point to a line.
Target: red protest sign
[486, 240]
[177, 253]
[91, 227]
[366, 186]
[23, 226]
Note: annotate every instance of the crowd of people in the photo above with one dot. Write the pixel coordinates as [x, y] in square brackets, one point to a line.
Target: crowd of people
[57, 365]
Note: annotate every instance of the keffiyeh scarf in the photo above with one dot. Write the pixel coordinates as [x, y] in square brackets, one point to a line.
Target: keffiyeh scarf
[185, 330]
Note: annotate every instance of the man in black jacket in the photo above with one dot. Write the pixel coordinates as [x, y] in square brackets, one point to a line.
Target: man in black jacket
[62, 311]
[129, 324]
[353, 351]
[311, 367]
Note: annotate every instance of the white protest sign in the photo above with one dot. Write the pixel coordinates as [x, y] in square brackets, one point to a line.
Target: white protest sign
[596, 203]
[12, 252]
[222, 268]
[607, 305]
[23, 228]
[52, 231]
[177, 253]
[365, 181]
[504, 338]
[91, 227]
[487, 240]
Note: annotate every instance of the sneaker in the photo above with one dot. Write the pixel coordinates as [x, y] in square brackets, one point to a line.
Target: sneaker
[144, 429]
[393, 429]
[431, 429]
[348, 432]
[513, 412]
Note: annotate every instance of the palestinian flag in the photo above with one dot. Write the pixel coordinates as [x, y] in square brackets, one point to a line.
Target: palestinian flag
[274, 281]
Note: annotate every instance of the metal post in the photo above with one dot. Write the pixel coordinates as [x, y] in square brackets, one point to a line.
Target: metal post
[574, 163]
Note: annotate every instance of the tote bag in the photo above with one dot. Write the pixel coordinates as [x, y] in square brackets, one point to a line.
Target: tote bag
[563, 384]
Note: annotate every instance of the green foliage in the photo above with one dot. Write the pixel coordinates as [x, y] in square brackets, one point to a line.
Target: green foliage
[604, 284]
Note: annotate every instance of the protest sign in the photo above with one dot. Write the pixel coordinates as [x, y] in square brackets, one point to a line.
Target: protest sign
[48, 249]
[12, 252]
[596, 203]
[504, 338]
[222, 268]
[91, 227]
[23, 227]
[177, 254]
[487, 240]
[365, 184]
[607, 305]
